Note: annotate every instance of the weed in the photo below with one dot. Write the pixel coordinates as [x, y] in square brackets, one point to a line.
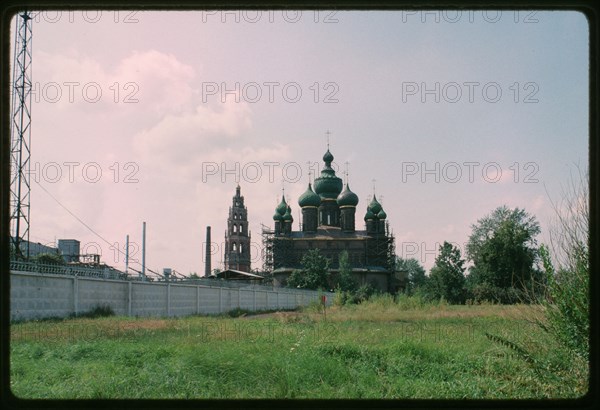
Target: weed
[95, 312]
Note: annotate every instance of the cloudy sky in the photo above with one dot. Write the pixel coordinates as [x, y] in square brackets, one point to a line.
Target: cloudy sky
[155, 116]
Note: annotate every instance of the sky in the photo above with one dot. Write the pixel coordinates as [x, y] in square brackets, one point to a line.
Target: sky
[156, 116]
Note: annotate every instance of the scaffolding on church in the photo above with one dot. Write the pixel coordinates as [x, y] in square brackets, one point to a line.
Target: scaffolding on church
[278, 251]
[381, 250]
[267, 248]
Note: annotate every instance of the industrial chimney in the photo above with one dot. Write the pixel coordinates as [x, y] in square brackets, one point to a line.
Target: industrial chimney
[207, 267]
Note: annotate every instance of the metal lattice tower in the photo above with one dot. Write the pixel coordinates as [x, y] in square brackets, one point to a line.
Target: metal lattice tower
[20, 154]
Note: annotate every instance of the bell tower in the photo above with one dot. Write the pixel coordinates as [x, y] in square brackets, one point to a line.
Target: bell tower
[237, 236]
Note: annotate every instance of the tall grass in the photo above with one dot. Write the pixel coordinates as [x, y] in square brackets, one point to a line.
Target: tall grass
[567, 304]
[564, 308]
[377, 349]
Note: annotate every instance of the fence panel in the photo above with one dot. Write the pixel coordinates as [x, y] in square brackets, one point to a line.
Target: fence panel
[38, 295]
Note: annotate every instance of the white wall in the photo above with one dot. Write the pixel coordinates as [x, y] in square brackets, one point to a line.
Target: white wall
[36, 295]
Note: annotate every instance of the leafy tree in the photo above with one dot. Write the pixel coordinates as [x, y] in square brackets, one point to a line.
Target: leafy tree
[447, 278]
[48, 258]
[416, 273]
[314, 273]
[194, 275]
[344, 281]
[504, 250]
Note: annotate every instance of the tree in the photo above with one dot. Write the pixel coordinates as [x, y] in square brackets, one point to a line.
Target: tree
[314, 273]
[416, 273]
[49, 259]
[446, 278]
[344, 281]
[504, 251]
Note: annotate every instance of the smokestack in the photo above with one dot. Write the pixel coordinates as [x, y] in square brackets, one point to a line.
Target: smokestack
[127, 254]
[207, 267]
[144, 250]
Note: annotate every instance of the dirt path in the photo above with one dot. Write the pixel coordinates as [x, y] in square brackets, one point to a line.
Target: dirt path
[276, 315]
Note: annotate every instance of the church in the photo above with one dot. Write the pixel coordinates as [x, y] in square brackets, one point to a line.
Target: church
[329, 225]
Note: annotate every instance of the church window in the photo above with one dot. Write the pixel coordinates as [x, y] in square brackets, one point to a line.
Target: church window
[234, 248]
[241, 228]
[240, 248]
[234, 228]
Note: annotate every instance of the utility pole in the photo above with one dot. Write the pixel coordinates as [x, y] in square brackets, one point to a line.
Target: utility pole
[20, 153]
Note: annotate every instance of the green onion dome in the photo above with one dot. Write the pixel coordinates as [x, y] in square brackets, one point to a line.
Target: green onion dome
[328, 185]
[309, 198]
[277, 216]
[374, 206]
[382, 214]
[282, 207]
[288, 215]
[347, 198]
[369, 215]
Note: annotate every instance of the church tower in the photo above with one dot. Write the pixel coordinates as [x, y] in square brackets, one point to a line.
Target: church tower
[347, 202]
[237, 236]
[375, 217]
[309, 201]
[328, 186]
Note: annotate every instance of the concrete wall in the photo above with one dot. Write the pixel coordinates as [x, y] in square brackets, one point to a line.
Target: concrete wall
[36, 295]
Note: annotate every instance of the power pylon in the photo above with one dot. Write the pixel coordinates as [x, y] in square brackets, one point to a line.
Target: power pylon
[20, 153]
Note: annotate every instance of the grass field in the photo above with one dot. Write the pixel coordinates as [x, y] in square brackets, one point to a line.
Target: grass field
[378, 349]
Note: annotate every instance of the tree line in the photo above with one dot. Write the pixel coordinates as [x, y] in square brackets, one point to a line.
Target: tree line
[505, 263]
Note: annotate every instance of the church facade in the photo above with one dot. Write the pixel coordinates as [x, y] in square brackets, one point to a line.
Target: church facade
[329, 222]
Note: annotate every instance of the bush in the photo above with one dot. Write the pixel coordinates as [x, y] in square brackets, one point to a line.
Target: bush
[567, 306]
[340, 297]
[237, 312]
[362, 294]
[412, 302]
[96, 311]
[48, 259]
[567, 290]
[484, 292]
[383, 300]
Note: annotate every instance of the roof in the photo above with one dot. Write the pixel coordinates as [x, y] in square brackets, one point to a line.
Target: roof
[328, 232]
[233, 274]
[367, 269]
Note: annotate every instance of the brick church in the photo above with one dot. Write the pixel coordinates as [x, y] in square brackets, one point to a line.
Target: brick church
[329, 224]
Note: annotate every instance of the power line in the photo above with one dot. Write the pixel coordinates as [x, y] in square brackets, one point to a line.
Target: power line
[89, 227]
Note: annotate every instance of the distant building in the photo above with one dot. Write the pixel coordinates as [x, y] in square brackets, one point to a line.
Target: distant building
[69, 249]
[36, 248]
[239, 276]
[329, 225]
[237, 236]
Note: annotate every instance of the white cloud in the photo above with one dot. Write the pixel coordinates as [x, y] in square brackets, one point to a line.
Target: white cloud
[179, 139]
[157, 81]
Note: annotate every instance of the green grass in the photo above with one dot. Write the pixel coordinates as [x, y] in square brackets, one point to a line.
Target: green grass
[373, 350]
